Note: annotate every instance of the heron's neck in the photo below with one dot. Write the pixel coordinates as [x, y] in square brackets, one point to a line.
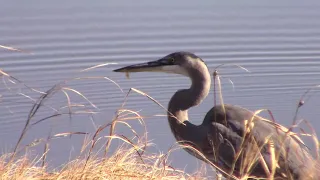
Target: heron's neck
[184, 99]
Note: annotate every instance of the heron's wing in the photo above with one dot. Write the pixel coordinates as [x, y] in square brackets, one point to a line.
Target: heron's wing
[230, 150]
[285, 130]
[256, 152]
[232, 124]
[224, 143]
[263, 127]
[244, 116]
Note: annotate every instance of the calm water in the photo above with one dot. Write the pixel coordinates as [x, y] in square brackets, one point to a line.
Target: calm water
[279, 44]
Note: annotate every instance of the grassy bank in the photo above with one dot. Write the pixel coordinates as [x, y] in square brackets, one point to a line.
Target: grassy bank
[131, 160]
[125, 163]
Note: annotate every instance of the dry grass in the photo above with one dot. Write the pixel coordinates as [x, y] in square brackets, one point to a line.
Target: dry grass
[125, 163]
[131, 160]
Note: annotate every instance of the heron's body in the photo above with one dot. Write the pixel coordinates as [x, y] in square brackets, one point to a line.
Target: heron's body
[223, 137]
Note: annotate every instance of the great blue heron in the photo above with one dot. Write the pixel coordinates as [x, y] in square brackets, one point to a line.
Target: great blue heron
[231, 137]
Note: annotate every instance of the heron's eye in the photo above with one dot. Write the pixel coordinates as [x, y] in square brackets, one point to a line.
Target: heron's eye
[171, 60]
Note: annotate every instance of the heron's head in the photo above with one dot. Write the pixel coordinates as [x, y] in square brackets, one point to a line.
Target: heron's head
[184, 63]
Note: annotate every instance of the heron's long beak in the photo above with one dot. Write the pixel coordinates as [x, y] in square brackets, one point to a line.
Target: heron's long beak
[152, 66]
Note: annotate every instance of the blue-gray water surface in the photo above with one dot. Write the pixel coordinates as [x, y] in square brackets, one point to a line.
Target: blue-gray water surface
[278, 42]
